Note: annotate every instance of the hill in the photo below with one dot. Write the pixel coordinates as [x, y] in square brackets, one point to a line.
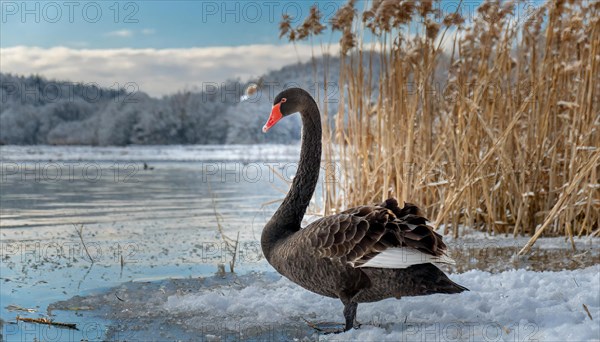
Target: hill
[36, 110]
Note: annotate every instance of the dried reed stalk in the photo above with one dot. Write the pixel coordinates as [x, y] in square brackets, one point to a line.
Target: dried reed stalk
[499, 131]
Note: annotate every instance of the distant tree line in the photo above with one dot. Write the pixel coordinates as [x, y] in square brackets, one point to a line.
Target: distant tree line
[35, 110]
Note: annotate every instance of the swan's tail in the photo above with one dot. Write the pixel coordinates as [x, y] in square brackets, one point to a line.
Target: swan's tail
[432, 280]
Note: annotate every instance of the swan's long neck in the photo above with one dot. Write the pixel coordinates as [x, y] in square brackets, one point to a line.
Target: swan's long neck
[288, 217]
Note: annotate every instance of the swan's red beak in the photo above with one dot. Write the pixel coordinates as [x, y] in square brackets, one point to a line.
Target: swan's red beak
[273, 118]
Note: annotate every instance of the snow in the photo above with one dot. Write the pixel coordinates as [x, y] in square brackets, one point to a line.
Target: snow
[516, 305]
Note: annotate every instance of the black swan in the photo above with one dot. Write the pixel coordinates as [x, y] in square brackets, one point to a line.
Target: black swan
[364, 254]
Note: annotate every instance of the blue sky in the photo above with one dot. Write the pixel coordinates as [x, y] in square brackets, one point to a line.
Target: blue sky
[161, 46]
[149, 24]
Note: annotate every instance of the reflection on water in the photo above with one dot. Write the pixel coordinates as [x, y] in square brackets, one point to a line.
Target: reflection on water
[105, 193]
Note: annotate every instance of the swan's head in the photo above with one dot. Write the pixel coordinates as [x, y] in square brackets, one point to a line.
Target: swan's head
[286, 103]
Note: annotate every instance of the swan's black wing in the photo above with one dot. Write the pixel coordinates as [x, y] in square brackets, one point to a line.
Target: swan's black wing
[360, 234]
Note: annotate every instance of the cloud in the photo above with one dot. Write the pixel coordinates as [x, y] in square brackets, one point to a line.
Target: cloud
[120, 33]
[155, 71]
[148, 31]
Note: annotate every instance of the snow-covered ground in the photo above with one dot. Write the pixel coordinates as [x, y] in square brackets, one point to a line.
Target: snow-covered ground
[516, 305]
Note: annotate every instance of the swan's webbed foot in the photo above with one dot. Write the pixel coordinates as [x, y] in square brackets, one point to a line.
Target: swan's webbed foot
[327, 327]
[336, 328]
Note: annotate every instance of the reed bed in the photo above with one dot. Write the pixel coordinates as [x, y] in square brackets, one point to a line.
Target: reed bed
[491, 123]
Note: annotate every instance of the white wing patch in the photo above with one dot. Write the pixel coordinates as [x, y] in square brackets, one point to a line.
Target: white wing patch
[404, 257]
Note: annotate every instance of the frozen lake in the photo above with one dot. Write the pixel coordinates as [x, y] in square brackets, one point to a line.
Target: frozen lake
[149, 217]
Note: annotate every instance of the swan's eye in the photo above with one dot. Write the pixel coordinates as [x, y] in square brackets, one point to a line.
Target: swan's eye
[283, 100]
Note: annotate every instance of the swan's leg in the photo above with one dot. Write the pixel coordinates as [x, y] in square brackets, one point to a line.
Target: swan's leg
[350, 315]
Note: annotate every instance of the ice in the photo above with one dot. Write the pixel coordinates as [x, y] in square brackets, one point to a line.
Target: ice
[265, 152]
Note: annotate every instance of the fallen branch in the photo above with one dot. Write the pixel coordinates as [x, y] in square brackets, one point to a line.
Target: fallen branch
[48, 322]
